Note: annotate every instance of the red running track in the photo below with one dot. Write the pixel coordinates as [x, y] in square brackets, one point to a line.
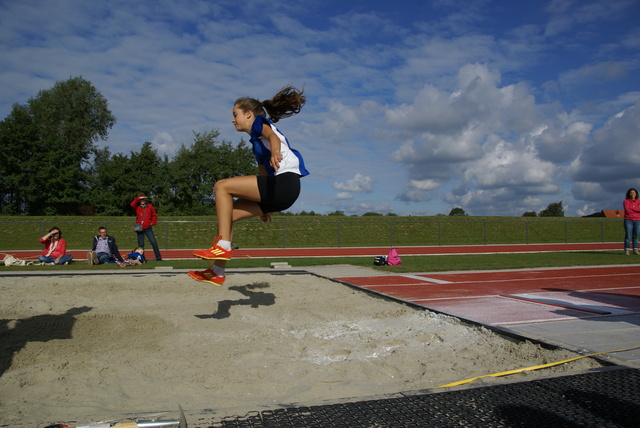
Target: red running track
[506, 298]
[362, 251]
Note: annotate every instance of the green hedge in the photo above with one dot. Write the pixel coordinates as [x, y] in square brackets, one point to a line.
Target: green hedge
[22, 233]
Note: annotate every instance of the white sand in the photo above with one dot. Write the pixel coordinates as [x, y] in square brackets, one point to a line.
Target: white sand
[95, 347]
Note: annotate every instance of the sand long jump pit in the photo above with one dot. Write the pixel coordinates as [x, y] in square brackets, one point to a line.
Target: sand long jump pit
[86, 348]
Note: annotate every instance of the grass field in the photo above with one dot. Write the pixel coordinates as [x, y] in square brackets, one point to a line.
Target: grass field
[431, 263]
[22, 233]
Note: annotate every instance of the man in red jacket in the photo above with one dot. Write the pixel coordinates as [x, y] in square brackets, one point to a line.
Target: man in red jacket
[146, 216]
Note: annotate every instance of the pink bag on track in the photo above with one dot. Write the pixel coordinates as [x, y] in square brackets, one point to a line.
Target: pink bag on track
[393, 259]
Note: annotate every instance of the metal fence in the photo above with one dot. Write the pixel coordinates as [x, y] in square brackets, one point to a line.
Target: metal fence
[323, 232]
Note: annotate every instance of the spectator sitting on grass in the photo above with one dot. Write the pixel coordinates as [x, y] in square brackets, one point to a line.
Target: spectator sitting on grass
[55, 248]
[104, 249]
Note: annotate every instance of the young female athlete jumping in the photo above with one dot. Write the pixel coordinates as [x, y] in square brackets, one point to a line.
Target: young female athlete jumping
[275, 189]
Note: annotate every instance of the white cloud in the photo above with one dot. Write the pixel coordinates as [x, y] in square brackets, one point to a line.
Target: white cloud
[590, 191]
[412, 195]
[586, 209]
[561, 138]
[611, 164]
[359, 183]
[503, 165]
[531, 202]
[597, 73]
[344, 196]
[164, 142]
[339, 118]
[440, 108]
[457, 137]
[425, 184]
[568, 14]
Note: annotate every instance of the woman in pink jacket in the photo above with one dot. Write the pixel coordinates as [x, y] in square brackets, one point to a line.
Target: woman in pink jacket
[631, 220]
[55, 248]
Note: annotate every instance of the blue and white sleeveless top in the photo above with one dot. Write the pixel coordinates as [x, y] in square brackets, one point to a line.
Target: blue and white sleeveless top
[291, 159]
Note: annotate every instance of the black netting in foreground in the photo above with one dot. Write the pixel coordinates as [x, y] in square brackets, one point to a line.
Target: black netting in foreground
[606, 398]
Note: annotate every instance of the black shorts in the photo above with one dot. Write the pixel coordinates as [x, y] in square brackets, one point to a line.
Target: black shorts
[278, 192]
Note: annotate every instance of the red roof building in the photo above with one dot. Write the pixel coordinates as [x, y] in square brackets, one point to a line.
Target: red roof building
[613, 213]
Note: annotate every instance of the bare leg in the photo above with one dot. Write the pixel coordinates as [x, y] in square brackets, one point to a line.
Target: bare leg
[229, 211]
[246, 190]
[241, 209]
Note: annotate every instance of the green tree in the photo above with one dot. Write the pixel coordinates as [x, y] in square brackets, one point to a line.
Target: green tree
[457, 212]
[530, 214]
[105, 171]
[195, 169]
[181, 186]
[18, 141]
[56, 132]
[554, 209]
[150, 177]
[116, 179]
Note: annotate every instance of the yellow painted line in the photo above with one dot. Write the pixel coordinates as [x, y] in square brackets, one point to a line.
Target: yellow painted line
[542, 366]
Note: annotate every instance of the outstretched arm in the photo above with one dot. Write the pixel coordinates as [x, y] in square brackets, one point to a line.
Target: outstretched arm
[135, 202]
[48, 235]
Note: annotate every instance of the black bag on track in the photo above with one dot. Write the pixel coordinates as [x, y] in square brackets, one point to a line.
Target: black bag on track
[380, 260]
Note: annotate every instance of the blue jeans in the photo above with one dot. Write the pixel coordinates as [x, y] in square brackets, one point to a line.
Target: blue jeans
[63, 259]
[104, 258]
[631, 228]
[152, 240]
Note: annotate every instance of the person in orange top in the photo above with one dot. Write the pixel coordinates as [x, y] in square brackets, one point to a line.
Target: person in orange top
[631, 220]
[147, 217]
[55, 248]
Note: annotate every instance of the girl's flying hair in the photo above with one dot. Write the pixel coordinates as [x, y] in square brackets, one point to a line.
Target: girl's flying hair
[286, 103]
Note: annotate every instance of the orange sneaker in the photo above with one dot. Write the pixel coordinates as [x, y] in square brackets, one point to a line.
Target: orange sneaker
[216, 252]
[207, 276]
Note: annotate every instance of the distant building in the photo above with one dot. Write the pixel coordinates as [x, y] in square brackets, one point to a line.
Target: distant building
[613, 213]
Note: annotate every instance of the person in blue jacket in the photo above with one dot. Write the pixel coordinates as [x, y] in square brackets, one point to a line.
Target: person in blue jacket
[275, 189]
[136, 257]
[104, 249]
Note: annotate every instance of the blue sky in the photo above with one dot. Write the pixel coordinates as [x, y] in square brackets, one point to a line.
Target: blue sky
[413, 107]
